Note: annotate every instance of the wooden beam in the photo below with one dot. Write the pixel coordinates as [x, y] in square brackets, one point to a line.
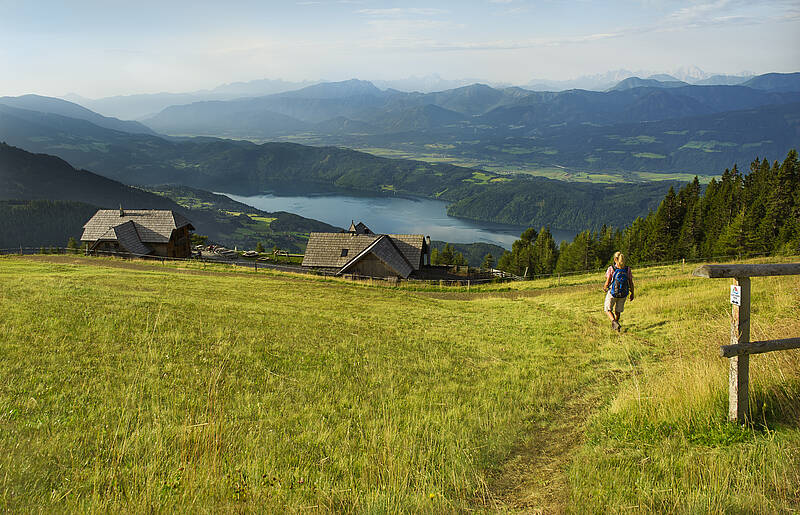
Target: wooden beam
[729, 351]
[723, 271]
[739, 366]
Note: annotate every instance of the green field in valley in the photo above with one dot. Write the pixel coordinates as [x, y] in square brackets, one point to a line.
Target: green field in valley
[560, 173]
[137, 387]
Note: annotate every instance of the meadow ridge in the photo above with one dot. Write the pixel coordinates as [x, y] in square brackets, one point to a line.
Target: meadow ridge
[132, 386]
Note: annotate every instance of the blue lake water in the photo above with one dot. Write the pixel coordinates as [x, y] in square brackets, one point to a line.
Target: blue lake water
[391, 215]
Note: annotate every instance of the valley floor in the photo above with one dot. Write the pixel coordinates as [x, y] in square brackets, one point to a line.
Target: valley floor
[141, 387]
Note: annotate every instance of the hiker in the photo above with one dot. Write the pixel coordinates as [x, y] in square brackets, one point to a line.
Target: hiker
[619, 281]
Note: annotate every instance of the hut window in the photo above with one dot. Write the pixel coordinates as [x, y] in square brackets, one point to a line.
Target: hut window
[344, 252]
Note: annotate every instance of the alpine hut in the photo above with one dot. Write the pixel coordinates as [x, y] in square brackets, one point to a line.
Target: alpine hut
[360, 252]
[138, 232]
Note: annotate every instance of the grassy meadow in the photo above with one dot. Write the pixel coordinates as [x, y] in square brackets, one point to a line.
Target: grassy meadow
[141, 387]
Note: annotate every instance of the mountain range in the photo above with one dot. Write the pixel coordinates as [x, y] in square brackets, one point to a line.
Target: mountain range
[140, 106]
[517, 129]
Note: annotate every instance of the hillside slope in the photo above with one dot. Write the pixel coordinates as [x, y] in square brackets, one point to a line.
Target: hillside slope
[180, 389]
[72, 110]
[27, 176]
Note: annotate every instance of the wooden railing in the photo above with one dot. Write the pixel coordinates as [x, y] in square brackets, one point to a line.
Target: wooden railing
[741, 347]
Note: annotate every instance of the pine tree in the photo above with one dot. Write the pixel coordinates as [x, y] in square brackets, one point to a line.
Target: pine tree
[731, 240]
[447, 255]
[544, 253]
[488, 261]
[506, 262]
[578, 255]
[690, 231]
[662, 242]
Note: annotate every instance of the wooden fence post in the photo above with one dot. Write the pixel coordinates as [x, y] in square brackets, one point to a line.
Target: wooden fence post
[739, 371]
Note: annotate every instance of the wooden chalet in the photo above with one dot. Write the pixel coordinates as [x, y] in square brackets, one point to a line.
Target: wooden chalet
[360, 252]
[138, 232]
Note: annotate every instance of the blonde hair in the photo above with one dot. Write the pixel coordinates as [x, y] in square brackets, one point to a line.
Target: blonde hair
[619, 259]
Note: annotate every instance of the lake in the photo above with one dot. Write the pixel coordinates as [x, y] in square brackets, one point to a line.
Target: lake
[391, 215]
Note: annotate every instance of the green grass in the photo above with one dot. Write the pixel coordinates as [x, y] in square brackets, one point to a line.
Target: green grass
[551, 172]
[139, 387]
[649, 155]
[686, 177]
[708, 146]
[485, 178]
[638, 140]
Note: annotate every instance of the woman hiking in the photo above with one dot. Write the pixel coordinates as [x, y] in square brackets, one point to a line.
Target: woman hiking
[619, 282]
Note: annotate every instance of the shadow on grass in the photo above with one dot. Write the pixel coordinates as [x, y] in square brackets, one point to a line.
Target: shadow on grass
[653, 326]
[776, 405]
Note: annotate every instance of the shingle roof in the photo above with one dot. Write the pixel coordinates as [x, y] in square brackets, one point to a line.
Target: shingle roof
[152, 226]
[385, 250]
[128, 238]
[411, 246]
[325, 250]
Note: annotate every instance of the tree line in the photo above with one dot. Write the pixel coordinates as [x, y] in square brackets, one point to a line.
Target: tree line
[738, 215]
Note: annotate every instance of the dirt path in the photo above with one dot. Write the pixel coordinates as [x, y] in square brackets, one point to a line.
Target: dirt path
[534, 479]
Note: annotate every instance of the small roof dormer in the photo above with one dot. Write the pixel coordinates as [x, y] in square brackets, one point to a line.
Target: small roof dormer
[358, 228]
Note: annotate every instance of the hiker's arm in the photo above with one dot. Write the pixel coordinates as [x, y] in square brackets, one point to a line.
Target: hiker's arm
[631, 281]
[608, 281]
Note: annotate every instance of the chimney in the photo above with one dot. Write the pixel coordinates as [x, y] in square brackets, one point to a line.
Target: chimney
[428, 245]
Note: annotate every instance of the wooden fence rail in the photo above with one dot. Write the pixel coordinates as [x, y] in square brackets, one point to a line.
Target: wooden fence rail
[729, 351]
[741, 347]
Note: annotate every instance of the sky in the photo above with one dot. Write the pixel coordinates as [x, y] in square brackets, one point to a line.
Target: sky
[109, 47]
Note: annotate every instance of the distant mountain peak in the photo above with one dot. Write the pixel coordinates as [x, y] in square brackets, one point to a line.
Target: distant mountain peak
[341, 89]
[636, 82]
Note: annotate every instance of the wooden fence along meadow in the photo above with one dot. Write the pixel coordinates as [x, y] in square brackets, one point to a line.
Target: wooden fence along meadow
[740, 349]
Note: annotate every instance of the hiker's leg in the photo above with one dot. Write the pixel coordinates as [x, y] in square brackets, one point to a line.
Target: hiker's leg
[610, 315]
[617, 314]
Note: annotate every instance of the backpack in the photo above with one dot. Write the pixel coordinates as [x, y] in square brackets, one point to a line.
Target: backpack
[619, 283]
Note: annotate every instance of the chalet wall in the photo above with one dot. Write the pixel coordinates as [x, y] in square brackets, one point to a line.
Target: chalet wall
[179, 243]
[371, 266]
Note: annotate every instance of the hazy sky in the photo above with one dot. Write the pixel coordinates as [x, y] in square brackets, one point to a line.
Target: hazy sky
[109, 47]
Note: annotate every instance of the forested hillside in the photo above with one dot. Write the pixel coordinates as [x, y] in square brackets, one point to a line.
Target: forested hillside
[32, 177]
[741, 214]
[37, 223]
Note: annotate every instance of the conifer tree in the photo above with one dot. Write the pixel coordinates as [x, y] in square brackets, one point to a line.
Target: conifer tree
[544, 253]
[435, 259]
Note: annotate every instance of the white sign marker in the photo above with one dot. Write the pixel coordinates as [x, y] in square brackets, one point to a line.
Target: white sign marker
[736, 295]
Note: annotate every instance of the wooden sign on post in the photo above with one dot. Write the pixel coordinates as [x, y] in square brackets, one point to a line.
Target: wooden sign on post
[740, 348]
[739, 366]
